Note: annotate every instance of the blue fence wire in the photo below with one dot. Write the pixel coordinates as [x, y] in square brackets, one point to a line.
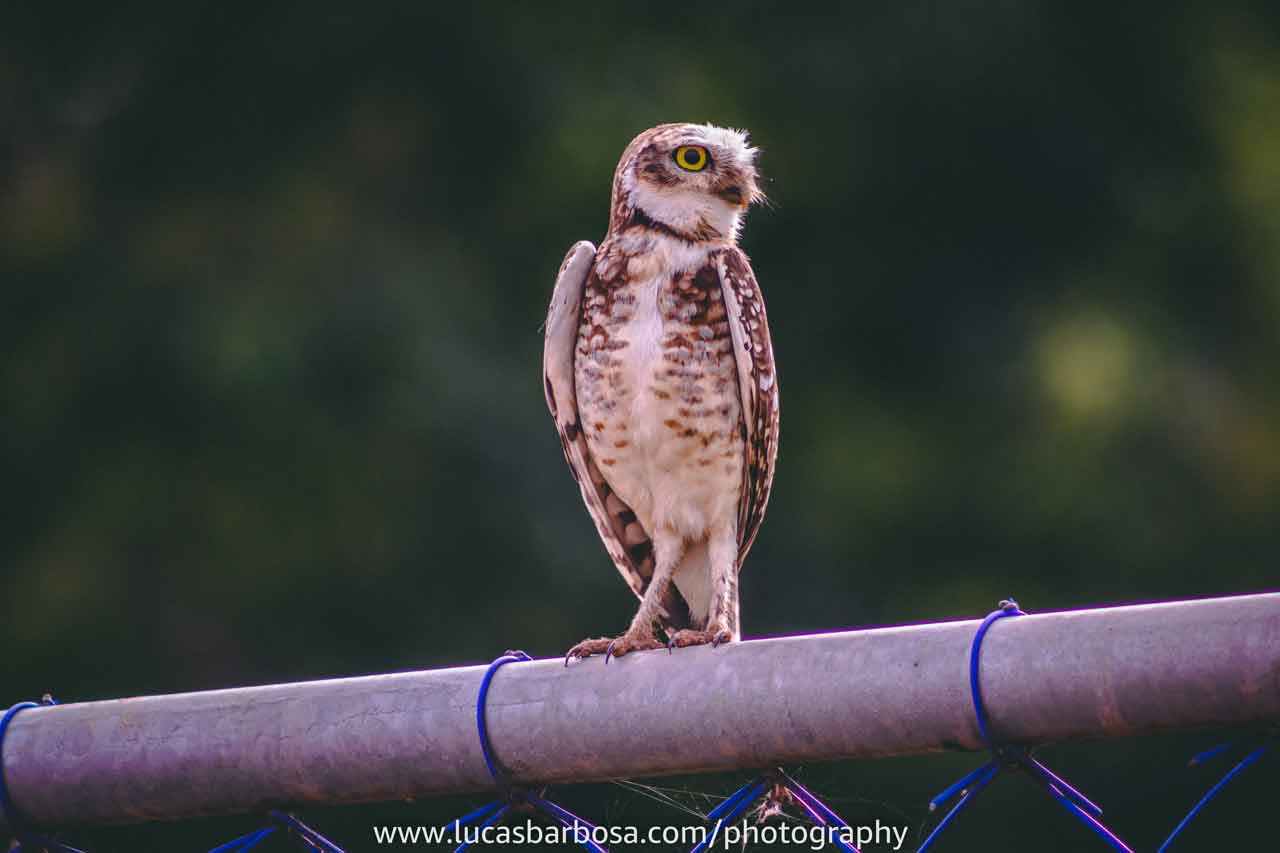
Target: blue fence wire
[295, 830]
[741, 800]
[28, 840]
[514, 798]
[1011, 757]
[1252, 756]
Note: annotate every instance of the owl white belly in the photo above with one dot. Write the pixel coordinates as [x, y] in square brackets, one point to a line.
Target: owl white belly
[658, 396]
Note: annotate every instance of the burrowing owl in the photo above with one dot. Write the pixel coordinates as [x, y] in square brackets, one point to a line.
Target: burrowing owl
[659, 374]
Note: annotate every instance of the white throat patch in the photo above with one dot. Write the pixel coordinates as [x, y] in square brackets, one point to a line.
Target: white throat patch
[687, 212]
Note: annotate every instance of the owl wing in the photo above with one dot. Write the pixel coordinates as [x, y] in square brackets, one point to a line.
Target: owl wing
[758, 386]
[624, 538]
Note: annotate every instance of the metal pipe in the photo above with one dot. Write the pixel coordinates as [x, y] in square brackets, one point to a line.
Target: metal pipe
[1111, 672]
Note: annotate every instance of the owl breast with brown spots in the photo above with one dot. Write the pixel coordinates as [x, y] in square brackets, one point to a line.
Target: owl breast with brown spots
[658, 387]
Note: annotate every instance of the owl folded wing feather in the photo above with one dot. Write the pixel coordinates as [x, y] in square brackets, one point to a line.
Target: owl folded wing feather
[758, 386]
[624, 538]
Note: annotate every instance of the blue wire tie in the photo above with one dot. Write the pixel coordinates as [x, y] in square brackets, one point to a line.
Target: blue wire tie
[27, 838]
[1235, 771]
[1006, 756]
[740, 800]
[514, 797]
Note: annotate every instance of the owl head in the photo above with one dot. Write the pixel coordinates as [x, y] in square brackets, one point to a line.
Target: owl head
[693, 181]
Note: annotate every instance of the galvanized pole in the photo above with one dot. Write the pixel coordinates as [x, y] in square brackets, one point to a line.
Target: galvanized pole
[861, 694]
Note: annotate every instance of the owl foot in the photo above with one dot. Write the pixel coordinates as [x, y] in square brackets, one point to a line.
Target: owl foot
[631, 643]
[587, 648]
[614, 647]
[691, 637]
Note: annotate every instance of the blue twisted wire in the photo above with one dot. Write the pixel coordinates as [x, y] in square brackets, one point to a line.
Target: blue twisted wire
[1212, 792]
[6, 804]
[1006, 756]
[1007, 608]
[740, 800]
[819, 812]
[244, 842]
[304, 836]
[26, 838]
[495, 769]
[495, 811]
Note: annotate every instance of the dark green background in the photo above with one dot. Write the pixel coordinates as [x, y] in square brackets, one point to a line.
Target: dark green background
[270, 343]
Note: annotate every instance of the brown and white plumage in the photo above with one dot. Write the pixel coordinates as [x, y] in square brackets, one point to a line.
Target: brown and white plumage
[659, 373]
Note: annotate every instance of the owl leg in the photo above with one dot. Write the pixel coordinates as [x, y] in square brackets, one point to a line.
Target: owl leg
[667, 551]
[723, 622]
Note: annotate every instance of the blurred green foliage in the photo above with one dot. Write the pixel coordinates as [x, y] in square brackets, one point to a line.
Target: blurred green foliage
[273, 279]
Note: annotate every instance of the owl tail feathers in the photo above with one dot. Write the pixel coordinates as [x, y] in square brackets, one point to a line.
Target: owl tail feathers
[674, 614]
[692, 579]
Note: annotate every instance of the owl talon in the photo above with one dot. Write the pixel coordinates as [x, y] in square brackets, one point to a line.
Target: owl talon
[587, 648]
[689, 637]
[628, 643]
[614, 647]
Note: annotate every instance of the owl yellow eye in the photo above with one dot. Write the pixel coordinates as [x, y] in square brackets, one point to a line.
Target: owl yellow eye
[691, 158]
